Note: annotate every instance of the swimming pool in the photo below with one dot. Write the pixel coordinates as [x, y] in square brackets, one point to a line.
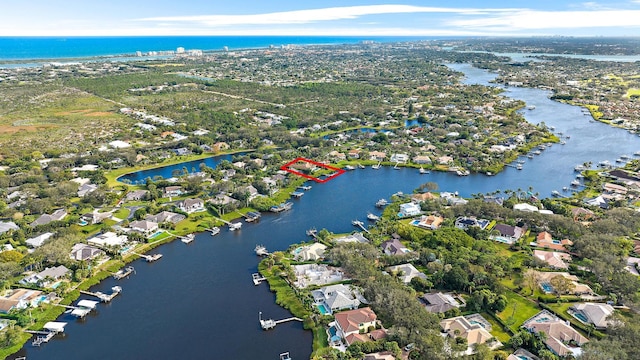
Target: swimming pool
[156, 234]
[581, 317]
[323, 309]
[546, 287]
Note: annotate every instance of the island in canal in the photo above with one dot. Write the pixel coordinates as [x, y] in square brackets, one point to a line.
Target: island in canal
[101, 162]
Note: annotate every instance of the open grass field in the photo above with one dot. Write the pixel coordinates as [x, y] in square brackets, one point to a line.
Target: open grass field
[518, 310]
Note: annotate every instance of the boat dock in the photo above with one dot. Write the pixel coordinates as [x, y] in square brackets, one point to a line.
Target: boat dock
[232, 226]
[82, 309]
[270, 323]
[282, 207]
[52, 328]
[313, 233]
[305, 187]
[214, 231]
[297, 194]
[257, 279]
[123, 273]
[359, 224]
[149, 258]
[285, 356]
[261, 250]
[187, 239]
[102, 296]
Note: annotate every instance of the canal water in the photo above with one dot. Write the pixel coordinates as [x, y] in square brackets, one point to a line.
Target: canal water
[198, 301]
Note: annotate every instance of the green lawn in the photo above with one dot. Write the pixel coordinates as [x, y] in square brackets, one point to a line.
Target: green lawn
[518, 310]
[122, 213]
[496, 329]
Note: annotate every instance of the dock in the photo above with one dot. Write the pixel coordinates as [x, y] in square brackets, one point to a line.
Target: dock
[261, 250]
[257, 279]
[359, 224]
[149, 258]
[214, 231]
[51, 329]
[270, 323]
[297, 194]
[281, 207]
[305, 187]
[251, 216]
[187, 239]
[313, 233]
[232, 226]
[123, 273]
[285, 356]
[102, 296]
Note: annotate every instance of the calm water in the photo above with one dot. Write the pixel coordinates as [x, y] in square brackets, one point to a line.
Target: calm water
[198, 301]
[139, 177]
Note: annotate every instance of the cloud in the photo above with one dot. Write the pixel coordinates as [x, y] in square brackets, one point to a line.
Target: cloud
[315, 15]
[531, 19]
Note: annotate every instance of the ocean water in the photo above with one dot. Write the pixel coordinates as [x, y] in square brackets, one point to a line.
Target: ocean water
[27, 48]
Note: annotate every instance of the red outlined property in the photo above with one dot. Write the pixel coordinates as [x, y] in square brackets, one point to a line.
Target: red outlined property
[306, 163]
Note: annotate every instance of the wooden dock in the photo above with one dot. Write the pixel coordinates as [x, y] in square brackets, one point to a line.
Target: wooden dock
[123, 273]
[149, 258]
[270, 323]
[257, 279]
[359, 224]
[102, 296]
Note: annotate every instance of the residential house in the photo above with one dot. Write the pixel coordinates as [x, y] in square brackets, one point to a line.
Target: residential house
[406, 272]
[592, 313]
[377, 155]
[409, 209]
[220, 146]
[554, 259]
[525, 207]
[598, 201]
[165, 216]
[474, 328]
[7, 226]
[420, 197]
[181, 151]
[545, 240]
[136, 195]
[222, 199]
[84, 252]
[431, 222]
[582, 214]
[46, 218]
[337, 155]
[422, 159]
[45, 277]
[354, 154]
[20, 299]
[85, 189]
[96, 217]
[191, 205]
[316, 274]
[394, 247]
[560, 337]
[337, 297]
[445, 160]
[351, 325]
[311, 252]
[610, 188]
[507, 233]
[37, 241]
[464, 222]
[522, 354]
[145, 227]
[399, 158]
[384, 355]
[544, 280]
[171, 191]
[441, 302]
[108, 239]
[355, 237]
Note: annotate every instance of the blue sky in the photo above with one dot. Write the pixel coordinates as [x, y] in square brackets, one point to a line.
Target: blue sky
[327, 17]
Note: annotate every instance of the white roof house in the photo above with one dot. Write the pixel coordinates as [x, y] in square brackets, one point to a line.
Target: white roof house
[7, 226]
[311, 252]
[406, 272]
[337, 297]
[409, 209]
[119, 144]
[525, 207]
[108, 239]
[37, 241]
[593, 313]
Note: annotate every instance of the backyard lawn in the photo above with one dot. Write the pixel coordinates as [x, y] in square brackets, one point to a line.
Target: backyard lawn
[518, 310]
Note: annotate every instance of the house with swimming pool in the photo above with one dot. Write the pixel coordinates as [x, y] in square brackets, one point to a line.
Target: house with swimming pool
[545, 240]
[507, 234]
[560, 337]
[20, 299]
[474, 328]
[355, 325]
[332, 298]
[593, 313]
[145, 227]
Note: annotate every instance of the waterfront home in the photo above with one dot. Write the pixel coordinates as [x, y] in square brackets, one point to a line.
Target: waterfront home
[136, 195]
[431, 222]
[337, 297]
[445, 160]
[171, 191]
[406, 272]
[610, 188]
[399, 158]
[422, 159]
[7, 226]
[525, 207]
[165, 216]
[222, 199]
[181, 151]
[592, 313]
[316, 274]
[554, 259]
[474, 328]
[355, 237]
[464, 222]
[394, 247]
[377, 155]
[544, 281]
[191, 205]
[311, 252]
[545, 240]
[409, 209]
[45, 277]
[598, 201]
[452, 198]
[582, 214]
[353, 325]
[418, 198]
[37, 241]
[145, 227]
[95, 217]
[108, 239]
[20, 299]
[84, 252]
[336, 155]
[220, 146]
[85, 189]
[507, 234]
[441, 302]
[46, 218]
[354, 154]
[560, 337]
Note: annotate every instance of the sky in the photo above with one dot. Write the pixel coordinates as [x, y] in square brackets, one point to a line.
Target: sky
[327, 17]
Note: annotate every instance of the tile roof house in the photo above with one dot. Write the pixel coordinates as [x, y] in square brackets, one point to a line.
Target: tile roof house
[558, 333]
[165, 216]
[311, 252]
[385, 355]
[422, 197]
[377, 155]
[439, 302]
[20, 299]
[545, 240]
[431, 222]
[173, 191]
[351, 323]
[145, 227]
[596, 314]
[554, 259]
[544, 279]
[473, 327]
[46, 218]
[84, 252]
[42, 278]
[337, 297]
[406, 272]
[394, 247]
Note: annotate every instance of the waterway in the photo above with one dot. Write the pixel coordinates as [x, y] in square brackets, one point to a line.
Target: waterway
[199, 302]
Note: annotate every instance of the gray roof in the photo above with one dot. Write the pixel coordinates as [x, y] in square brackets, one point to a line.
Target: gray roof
[7, 226]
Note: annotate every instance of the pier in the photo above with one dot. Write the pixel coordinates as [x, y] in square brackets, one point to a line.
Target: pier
[102, 296]
[52, 328]
[285, 356]
[270, 323]
[122, 273]
[297, 194]
[359, 224]
[257, 279]
[261, 250]
[282, 207]
[232, 226]
[214, 231]
[313, 233]
[149, 258]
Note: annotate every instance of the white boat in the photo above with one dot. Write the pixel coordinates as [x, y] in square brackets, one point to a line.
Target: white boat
[624, 156]
[377, 166]
[531, 107]
[555, 193]
[530, 156]
[373, 217]
[637, 153]
[349, 167]
[537, 152]
[215, 231]
[423, 171]
[563, 142]
[361, 166]
[381, 203]
[235, 226]
[187, 239]
[261, 250]
[579, 168]
[604, 163]
[619, 160]
[519, 167]
[357, 223]
[564, 188]
[575, 183]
